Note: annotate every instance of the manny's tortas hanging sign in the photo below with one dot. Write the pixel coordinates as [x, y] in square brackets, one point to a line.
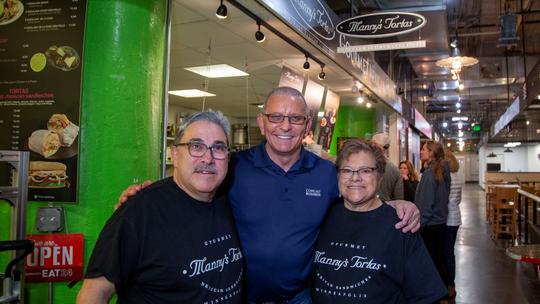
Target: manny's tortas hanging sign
[380, 25]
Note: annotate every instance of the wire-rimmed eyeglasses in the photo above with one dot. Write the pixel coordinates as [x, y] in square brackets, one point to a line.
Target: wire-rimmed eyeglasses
[198, 149]
[293, 119]
[363, 172]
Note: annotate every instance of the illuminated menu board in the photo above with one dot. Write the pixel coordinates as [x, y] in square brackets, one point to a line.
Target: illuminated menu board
[41, 45]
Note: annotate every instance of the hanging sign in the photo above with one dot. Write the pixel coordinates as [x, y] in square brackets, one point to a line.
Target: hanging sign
[380, 25]
[56, 257]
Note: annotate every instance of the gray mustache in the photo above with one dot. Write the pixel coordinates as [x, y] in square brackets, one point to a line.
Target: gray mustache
[206, 167]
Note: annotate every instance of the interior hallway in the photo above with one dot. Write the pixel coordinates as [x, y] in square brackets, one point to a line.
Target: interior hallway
[484, 273]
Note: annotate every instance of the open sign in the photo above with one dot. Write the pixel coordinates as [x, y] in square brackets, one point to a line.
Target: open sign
[56, 257]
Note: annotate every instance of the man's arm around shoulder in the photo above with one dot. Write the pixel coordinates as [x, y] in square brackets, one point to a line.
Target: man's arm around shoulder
[96, 291]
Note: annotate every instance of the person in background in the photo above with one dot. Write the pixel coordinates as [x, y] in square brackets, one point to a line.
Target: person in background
[175, 241]
[410, 179]
[279, 195]
[391, 186]
[360, 257]
[453, 221]
[315, 148]
[432, 199]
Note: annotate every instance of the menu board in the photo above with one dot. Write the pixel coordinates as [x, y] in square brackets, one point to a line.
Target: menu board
[314, 95]
[41, 44]
[331, 106]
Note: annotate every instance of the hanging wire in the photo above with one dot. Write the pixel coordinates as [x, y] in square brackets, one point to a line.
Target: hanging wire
[247, 105]
[206, 84]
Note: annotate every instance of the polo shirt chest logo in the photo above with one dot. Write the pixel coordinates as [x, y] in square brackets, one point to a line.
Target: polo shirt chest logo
[313, 192]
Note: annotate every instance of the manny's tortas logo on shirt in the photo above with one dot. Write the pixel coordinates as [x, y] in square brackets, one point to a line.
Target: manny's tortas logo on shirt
[313, 192]
[351, 261]
[204, 265]
[216, 262]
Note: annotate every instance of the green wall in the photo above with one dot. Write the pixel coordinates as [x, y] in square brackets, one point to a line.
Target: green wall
[352, 121]
[121, 120]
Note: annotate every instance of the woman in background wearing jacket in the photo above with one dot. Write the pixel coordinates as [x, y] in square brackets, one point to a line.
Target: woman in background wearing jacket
[453, 221]
[410, 179]
[432, 200]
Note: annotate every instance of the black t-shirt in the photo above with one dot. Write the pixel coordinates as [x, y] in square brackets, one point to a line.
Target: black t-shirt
[362, 258]
[162, 246]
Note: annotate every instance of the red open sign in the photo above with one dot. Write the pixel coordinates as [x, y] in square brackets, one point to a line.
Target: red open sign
[56, 257]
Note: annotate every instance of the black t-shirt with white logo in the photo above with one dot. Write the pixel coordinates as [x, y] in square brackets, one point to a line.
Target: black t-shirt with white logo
[162, 246]
[362, 258]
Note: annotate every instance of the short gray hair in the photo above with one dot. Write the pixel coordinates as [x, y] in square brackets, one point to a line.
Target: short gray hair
[289, 92]
[215, 117]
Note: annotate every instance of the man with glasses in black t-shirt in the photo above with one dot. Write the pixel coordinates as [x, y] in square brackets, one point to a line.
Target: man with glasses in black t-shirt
[175, 241]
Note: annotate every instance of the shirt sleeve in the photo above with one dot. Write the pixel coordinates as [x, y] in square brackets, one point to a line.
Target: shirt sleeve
[421, 280]
[116, 252]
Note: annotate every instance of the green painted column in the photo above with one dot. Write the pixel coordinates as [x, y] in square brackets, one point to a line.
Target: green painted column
[121, 117]
[352, 121]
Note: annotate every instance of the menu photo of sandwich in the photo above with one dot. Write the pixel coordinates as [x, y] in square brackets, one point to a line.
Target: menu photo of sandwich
[60, 133]
[10, 10]
[47, 174]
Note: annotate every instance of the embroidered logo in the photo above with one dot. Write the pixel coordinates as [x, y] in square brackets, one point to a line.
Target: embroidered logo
[313, 192]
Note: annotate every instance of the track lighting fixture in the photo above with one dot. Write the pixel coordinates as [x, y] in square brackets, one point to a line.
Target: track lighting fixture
[321, 74]
[259, 36]
[306, 64]
[221, 12]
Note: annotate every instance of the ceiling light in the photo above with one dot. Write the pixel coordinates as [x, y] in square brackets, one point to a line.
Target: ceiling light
[460, 148]
[473, 124]
[492, 155]
[460, 134]
[508, 150]
[458, 104]
[527, 122]
[360, 99]
[259, 36]
[456, 62]
[192, 93]
[368, 105]
[217, 71]
[306, 64]
[458, 111]
[448, 144]
[321, 74]
[221, 12]
[445, 124]
[461, 86]
[538, 97]
[460, 125]
[458, 118]
[454, 43]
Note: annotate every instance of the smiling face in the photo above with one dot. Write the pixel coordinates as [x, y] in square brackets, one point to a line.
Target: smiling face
[199, 176]
[359, 190]
[284, 140]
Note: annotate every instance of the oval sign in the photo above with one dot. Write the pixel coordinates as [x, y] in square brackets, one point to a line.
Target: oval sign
[315, 16]
[379, 25]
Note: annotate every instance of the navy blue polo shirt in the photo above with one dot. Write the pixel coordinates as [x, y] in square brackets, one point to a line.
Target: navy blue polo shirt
[278, 215]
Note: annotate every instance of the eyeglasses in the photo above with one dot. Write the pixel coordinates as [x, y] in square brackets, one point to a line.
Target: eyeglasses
[198, 149]
[293, 119]
[362, 172]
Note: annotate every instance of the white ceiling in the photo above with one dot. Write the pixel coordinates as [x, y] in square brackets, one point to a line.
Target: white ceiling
[199, 38]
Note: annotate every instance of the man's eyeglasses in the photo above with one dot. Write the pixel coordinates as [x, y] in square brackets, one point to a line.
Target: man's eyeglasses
[293, 119]
[198, 149]
[362, 172]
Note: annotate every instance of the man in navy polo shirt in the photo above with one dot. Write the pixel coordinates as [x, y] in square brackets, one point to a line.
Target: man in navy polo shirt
[279, 194]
